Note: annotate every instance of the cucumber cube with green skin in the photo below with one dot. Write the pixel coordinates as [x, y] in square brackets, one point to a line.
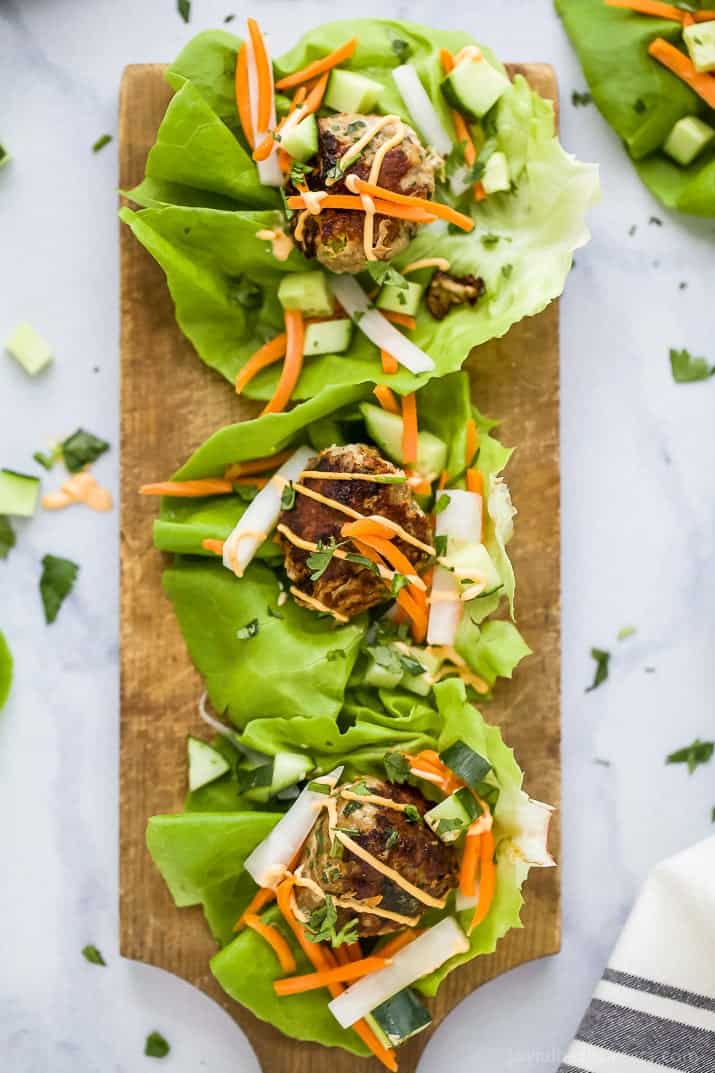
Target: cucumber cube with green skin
[401, 1017]
[302, 142]
[307, 292]
[381, 677]
[401, 299]
[687, 139]
[328, 337]
[386, 430]
[206, 764]
[496, 174]
[18, 493]
[473, 87]
[349, 91]
[449, 819]
[700, 41]
[29, 349]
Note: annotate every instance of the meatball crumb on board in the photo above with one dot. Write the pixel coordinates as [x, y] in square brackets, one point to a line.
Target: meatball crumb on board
[343, 587]
[335, 237]
[394, 835]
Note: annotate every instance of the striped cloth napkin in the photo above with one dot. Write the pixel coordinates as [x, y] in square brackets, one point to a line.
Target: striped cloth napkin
[654, 1008]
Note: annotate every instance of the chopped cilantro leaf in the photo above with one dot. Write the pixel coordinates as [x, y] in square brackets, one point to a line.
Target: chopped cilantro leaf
[247, 631]
[444, 826]
[412, 814]
[602, 659]
[401, 49]
[81, 448]
[398, 583]
[700, 752]
[393, 838]
[686, 369]
[442, 503]
[360, 788]
[506, 271]
[625, 632]
[321, 926]
[229, 18]
[396, 766]
[156, 1046]
[350, 807]
[288, 496]
[57, 580]
[91, 953]
[440, 545]
[639, 106]
[411, 665]
[656, 220]
[319, 561]
[580, 99]
[184, 9]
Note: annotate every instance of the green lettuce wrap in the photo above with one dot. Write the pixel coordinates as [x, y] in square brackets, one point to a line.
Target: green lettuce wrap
[201, 853]
[641, 99]
[292, 662]
[202, 205]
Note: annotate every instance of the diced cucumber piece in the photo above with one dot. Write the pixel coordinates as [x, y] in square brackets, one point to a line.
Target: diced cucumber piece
[302, 142]
[401, 1017]
[308, 292]
[381, 677]
[473, 87]
[422, 684]
[451, 817]
[401, 299]
[349, 91]
[205, 763]
[29, 349]
[18, 493]
[328, 337]
[386, 430]
[687, 139]
[700, 42]
[468, 765]
[496, 174]
[288, 769]
[325, 433]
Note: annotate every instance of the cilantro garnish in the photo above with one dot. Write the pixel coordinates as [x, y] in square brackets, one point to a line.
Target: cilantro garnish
[319, 561]
[393, 838]
[625, 632]
[397, 767]
[91, 953]
[398, 583]
[412, 814]
[602, 659]
[321, 926]
[442, 503]
[700, 752]
[288, 496]
[440, 545]
[56, 583]
[401, 49]
[81, 448]
[444, 826]
[411, 665]
[184, 9]
[156, 1046]
[580, 99]
[100, 143]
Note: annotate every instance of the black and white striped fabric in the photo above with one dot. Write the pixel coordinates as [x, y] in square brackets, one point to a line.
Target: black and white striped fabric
[654, 1008]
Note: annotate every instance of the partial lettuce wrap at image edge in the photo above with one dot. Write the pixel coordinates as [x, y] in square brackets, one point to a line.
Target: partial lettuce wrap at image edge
[202, 208]
[640, 99]
[200, 854]
[298, 663]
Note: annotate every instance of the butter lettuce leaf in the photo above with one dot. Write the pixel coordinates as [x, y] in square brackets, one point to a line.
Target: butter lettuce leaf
[201, 187]
[640, 98]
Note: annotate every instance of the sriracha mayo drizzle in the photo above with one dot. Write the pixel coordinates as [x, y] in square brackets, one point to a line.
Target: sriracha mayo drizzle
[80, 488]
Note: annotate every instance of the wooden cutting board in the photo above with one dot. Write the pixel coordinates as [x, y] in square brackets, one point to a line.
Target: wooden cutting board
[170, 402]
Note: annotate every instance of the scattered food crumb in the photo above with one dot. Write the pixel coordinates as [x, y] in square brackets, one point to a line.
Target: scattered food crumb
[649, 670]
[656, 220]
[229, 18]
[601, 761]
[640, 106]
[580, 99]
[624, 632]
[682, 285]
[632, 229]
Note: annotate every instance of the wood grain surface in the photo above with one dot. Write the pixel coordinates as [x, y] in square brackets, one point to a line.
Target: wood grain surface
[170, 402]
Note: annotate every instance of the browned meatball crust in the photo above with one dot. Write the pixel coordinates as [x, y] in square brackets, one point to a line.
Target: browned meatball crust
[335, 236]
[410, 848]
[349, 588]
[446, 291]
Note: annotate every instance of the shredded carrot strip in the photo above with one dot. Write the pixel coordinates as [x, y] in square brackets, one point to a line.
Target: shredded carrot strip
[315, 98]
[683, 68]
[263, 70]
[403, 319]
[258, 465]
[420, 485]
[445, 212]
[389, 364]
[480, 193]
[368, 528]
[487, 879]
[342, 974]
[662, 11]
[320, 959]
[243, 102]
[209, 486]
[447, 60]
[468, 868]
[409, 428]
[475, 481]
[319, 67]
[251, 482]
[264, 150]
[214, 546]
[354, 203]
[275, 940]
[472, 441]
[268, 354]
[399, 942]
[342, 954]
[295, 331]
[354, 950]
[298, 98]
[386, 397]
[443, 478]
[260, 899]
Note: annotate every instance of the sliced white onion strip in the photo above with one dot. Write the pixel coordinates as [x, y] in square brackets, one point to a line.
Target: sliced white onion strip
[461, 521]
[421, 109]
[466, 901]
[269, 171]
[530, 821]
[261, 516]
[378, 330]
[268, 862]
[423, 955]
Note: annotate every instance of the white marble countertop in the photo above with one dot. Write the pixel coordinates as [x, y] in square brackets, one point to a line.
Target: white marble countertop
[638, 525]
